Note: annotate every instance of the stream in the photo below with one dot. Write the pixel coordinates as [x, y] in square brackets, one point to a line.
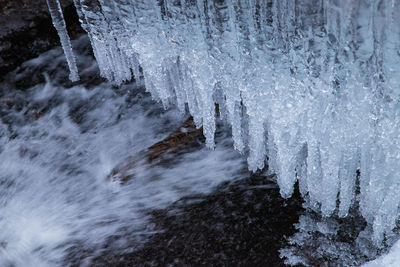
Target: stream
[58, 143]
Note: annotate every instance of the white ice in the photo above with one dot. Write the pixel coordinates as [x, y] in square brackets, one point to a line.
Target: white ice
[312, 84]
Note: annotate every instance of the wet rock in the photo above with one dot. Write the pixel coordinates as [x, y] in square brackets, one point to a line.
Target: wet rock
[241, 223]
[175, 142]
[160, 153]
[27, 30]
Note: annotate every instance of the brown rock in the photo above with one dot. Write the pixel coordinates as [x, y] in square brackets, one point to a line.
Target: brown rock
[159, 152]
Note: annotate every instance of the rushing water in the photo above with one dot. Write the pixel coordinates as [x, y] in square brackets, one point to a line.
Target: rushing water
[58, 144]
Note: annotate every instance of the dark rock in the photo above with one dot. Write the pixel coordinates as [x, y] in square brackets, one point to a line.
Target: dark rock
[160, 153]
[27, 30]
[241, 223]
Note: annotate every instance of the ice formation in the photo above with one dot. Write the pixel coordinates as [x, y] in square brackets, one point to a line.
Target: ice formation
[391, 259]
[314, 85]
[59, 24]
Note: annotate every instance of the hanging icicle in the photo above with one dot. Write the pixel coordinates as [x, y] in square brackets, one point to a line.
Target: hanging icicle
[59, 24]
[312, 84]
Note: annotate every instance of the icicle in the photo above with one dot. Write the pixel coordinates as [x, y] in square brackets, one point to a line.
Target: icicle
[59, 24]
[313, 84]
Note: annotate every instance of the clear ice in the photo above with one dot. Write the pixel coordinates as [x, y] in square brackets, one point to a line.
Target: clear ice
[59, 24]
[314, 85]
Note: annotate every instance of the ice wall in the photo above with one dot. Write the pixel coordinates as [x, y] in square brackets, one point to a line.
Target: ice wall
[313, 84]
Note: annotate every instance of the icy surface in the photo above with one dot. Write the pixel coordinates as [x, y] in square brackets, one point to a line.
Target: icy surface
[392, 259]
[312, 84]
[332, 241]
[59, 24]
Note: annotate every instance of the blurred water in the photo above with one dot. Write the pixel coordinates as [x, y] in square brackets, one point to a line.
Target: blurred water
[59, 141]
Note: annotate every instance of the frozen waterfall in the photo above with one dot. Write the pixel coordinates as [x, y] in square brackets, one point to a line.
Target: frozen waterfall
[314, 84]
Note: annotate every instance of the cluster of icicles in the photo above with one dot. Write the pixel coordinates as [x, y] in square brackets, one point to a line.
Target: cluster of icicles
[314, 85]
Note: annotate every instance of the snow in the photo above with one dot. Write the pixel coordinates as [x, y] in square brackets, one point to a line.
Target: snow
[312, 84]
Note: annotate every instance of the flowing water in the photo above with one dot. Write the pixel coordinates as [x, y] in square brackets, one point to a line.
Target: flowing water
[58, 144]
